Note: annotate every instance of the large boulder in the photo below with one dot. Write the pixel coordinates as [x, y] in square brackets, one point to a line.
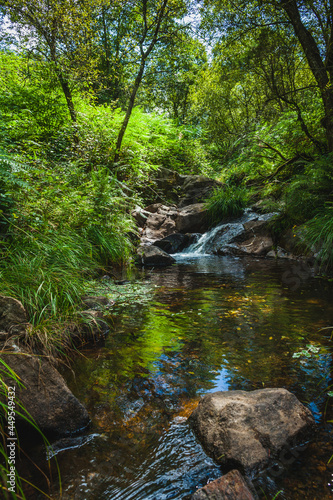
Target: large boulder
[247, 430]
[13, 317]
[195, 189]
[154, 256]
[192, 219]
[160, 222]
[232, 486]
[44, 395]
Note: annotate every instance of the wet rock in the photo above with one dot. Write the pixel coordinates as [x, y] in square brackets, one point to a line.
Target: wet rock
[44, 394]
[13, 317]
[249, 235]
[154, 256]
[173, 243]
[232, 486]
[192, 219]
[247, 430]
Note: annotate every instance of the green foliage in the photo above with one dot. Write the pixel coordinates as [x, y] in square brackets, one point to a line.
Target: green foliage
[151, 140]
[318, 233]
[225, 202]
[59, 234]
[32, 106]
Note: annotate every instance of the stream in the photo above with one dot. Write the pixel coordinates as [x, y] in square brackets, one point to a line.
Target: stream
[207, 323]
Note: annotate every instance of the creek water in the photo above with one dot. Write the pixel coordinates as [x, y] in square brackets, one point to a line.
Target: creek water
[207, 323]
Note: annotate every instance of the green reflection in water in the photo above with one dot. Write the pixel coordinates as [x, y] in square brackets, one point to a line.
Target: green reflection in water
[204, 331]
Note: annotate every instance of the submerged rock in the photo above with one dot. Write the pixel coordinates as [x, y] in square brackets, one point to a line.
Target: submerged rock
[247, 430]
[154, 256]
[97, 302]
[232, 486]
[44, 395]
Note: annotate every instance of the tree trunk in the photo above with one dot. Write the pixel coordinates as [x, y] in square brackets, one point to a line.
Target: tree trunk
[316, 63]
[68, 96]
[129, 109]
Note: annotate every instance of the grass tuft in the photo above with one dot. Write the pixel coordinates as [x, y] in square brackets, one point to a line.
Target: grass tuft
[226, 202]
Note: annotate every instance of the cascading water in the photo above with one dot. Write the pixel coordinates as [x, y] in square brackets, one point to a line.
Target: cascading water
[220, 236]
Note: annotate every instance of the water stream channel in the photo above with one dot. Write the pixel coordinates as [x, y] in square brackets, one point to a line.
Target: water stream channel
[204, 324]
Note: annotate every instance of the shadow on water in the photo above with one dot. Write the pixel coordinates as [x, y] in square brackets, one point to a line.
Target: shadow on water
[213, 323]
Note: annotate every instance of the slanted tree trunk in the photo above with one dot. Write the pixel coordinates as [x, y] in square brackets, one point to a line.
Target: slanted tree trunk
[322, 70]
[139, 76]
[129, 109]
[68, 95]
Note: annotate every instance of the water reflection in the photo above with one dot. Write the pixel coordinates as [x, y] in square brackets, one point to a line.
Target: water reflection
[214, 323]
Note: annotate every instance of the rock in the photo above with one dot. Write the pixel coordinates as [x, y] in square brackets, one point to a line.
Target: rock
[257, 245]
[232, 486]
[167, 182]
[192, 219]
[196, 188]
[44, 394]
[183, 189]
[153, 209]
[160, 223]
[93, 302]
[173, 243]
[13, 317]
[140, 216]
[154, 256]
[247, 430]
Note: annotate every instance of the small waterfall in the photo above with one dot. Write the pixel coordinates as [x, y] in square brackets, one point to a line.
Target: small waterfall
[224, 234]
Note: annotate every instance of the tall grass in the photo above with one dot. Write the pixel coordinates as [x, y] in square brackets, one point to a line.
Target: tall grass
[49, 274]
[226, 202]
[318, 233]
